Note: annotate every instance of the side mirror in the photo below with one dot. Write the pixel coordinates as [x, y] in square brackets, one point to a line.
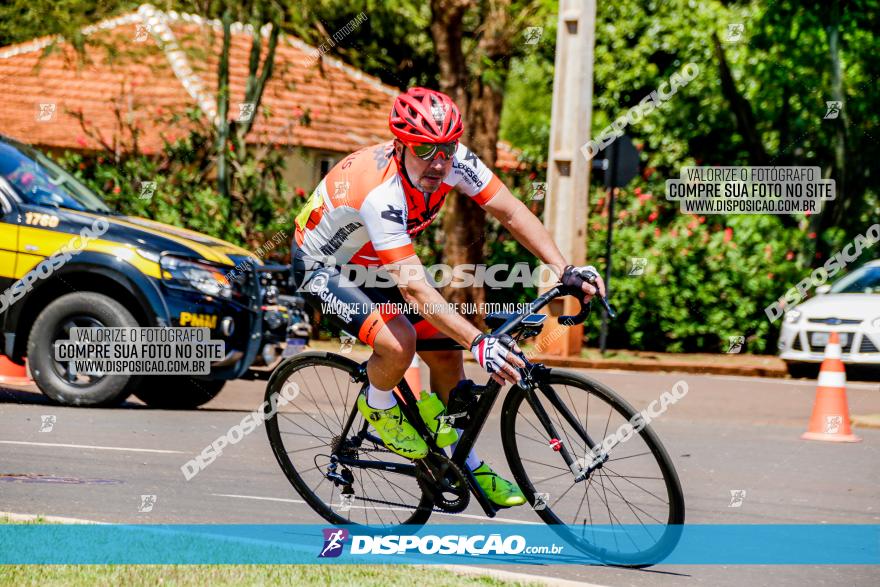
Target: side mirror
[823, 289]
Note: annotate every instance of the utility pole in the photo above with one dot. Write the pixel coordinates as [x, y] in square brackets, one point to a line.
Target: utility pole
[568, 171]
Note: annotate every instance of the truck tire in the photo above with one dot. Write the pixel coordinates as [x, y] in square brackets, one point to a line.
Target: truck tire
[177, 392]
[56, 379]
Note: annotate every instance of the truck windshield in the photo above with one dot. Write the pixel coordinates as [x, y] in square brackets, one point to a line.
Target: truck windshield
[40, 181]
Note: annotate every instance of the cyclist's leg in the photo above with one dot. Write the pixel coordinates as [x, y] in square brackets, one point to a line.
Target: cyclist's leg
[391, 337]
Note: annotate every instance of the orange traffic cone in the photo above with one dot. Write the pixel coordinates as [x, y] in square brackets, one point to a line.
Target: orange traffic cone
[12, 374]
[413, 378]
[830, 419]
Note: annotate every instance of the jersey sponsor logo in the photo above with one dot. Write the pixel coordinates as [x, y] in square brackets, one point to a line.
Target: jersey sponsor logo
[470, 157]
[339, 238]
[469, 172]
[393, 214]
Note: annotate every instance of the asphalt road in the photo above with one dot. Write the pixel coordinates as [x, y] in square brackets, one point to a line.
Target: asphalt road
[728, 433]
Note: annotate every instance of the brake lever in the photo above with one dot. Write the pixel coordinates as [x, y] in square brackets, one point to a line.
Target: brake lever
[590, 277]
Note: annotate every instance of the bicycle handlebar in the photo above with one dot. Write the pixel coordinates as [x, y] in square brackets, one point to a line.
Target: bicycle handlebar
[579, 318]
[557, 291]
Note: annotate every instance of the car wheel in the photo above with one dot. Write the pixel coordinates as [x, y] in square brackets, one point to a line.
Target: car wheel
[58, 380]
[177, 392]
[803, 370]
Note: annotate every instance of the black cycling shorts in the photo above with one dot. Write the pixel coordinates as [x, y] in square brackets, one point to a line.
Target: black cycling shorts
[359, 310]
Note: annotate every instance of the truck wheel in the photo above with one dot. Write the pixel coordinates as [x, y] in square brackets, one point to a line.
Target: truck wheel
[177, 392]
[58, 380]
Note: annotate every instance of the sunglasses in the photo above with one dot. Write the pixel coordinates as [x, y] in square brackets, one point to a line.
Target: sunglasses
[430, 152]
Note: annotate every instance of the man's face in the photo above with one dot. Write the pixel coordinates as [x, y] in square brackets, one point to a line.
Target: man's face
[425, 175]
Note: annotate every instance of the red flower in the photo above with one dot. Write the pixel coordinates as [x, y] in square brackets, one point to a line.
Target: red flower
[644, 197]
[231, 148]
[637, 191]
[702, 219]
[769, 276]
[116, 189]
[81, 141]
[623, 214]
[808, 213]
[601, 203]
[653, 216]
[657, 232]
[533, 175]
[818, 255]
[597, 226]
[300, 192]
[693, 224]
[728, 234]
[811, 235]
[789, 255]
[688, 232]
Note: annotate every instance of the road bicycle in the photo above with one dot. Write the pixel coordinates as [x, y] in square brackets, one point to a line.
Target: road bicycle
[554, 426]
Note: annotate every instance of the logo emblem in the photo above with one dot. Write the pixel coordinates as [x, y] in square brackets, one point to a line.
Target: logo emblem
[393, 214]
[737, 497]
[833, 424]
[833, 107]
[735, 344]
[334, 539]
[147, 503]
[637, 266]
[48, 423]
[735, 32]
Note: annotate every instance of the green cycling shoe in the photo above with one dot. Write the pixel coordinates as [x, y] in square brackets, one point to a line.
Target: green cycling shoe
[499, 490]
[433, 414]
[398, 435]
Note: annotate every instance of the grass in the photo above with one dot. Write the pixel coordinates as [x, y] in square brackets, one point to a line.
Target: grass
[221, 575]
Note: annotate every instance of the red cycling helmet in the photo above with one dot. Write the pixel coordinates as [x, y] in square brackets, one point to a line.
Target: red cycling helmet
[425, 116]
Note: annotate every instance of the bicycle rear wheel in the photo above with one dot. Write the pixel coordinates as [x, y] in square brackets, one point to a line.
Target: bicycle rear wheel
[306, 438]
[629, 510]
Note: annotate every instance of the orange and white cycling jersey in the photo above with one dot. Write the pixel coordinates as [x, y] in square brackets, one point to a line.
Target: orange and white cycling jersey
[363, 212]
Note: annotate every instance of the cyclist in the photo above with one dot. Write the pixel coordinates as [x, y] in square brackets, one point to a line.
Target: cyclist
[366, 212]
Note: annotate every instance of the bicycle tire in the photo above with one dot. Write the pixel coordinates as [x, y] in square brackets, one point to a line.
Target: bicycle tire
[511, 416]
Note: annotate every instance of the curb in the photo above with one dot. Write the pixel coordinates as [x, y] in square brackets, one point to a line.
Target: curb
[673, 366]
[866, 420]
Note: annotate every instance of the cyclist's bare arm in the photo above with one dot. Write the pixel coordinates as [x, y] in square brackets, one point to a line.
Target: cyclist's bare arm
[410, 276]
[529, 231]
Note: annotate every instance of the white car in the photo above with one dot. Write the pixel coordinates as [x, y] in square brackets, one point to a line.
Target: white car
[850, 307]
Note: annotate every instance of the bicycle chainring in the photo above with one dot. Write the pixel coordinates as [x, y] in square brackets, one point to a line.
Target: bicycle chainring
[441, 479]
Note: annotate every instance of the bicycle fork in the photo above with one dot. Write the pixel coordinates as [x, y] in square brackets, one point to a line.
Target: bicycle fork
[580, 469]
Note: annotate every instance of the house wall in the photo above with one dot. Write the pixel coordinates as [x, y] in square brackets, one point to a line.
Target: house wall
[304, 167]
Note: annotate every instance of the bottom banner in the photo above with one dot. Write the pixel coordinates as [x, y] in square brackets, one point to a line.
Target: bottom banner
[441, 544]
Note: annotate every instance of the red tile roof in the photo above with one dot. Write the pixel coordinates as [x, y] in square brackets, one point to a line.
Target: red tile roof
[166, 63]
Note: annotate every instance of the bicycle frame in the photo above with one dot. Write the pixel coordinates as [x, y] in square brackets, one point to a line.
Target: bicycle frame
[535, 377]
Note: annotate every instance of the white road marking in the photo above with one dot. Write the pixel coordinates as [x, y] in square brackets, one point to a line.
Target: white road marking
[55, 444]
[299, 501]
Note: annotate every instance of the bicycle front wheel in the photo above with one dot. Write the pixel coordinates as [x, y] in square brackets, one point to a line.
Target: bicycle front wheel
[627, 511]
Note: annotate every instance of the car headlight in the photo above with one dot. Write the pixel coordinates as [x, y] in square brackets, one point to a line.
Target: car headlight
[792, 316]
[186, 274]
[875, 323]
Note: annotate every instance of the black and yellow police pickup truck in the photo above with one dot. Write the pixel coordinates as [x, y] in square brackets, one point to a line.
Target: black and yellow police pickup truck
[67, 259]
